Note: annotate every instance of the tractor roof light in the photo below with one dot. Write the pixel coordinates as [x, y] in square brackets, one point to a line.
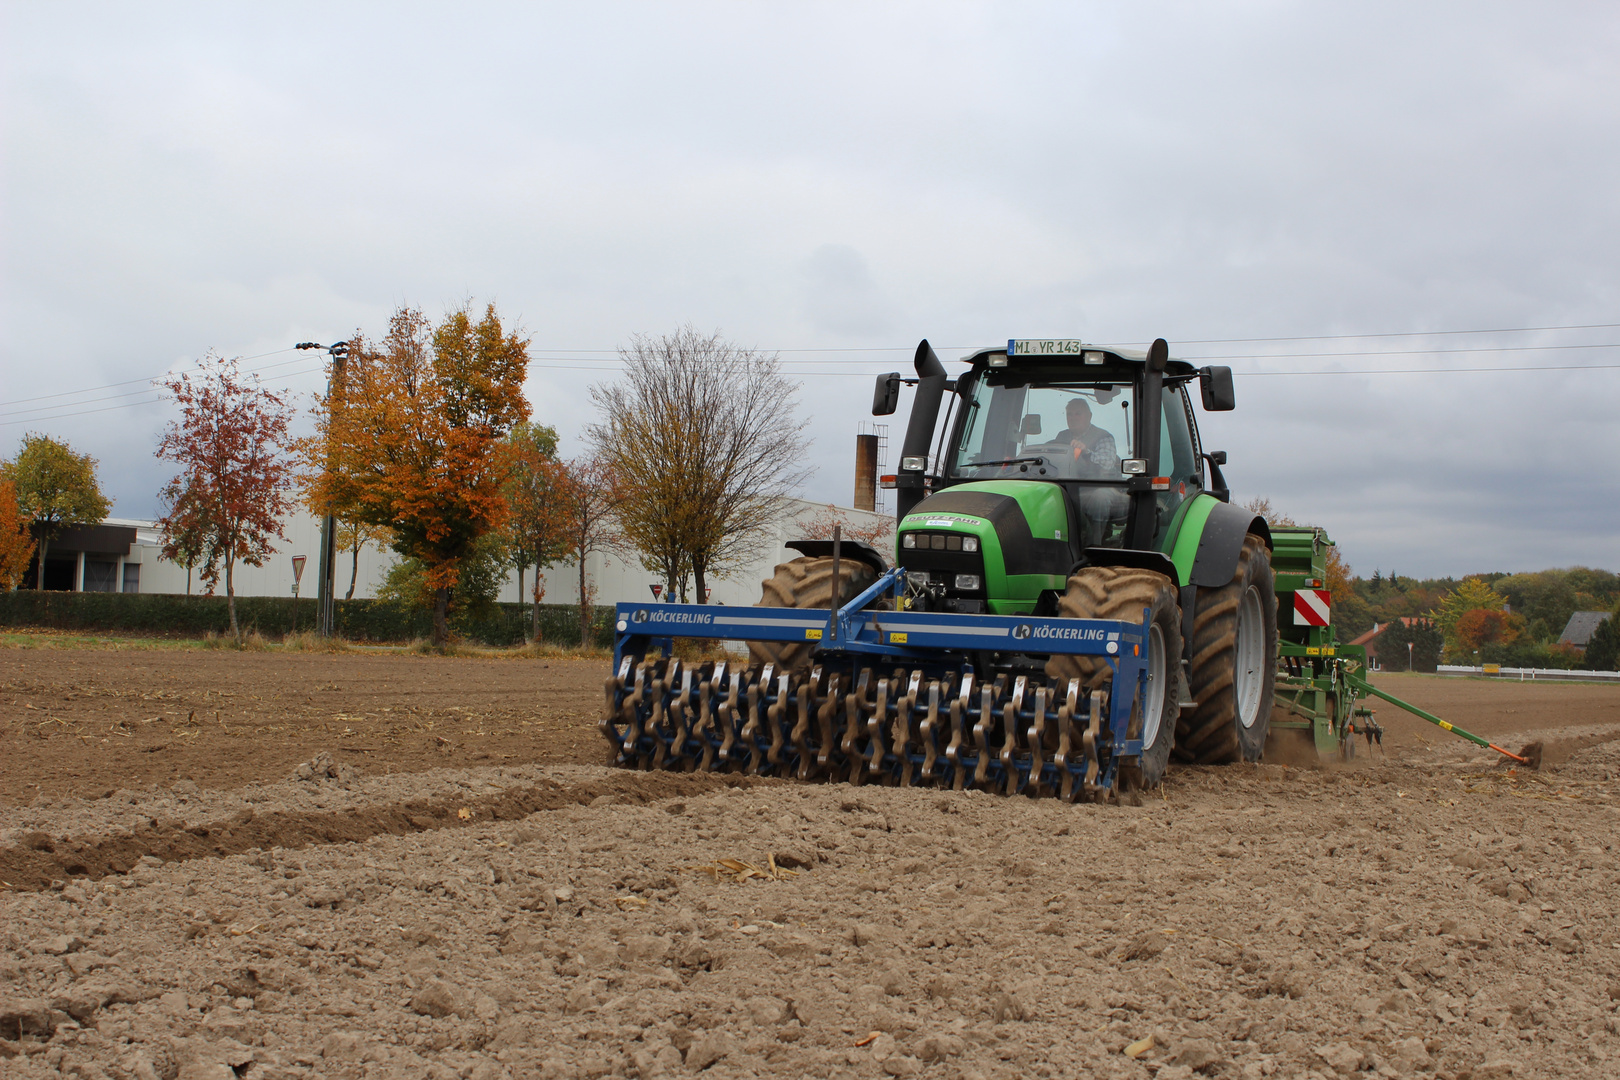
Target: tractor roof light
[1092, 357]
[908, 540]
[970, 543]
[913, 464]
[1134, 466]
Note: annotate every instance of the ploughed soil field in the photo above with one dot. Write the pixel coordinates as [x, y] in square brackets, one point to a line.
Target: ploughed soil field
[221, 864]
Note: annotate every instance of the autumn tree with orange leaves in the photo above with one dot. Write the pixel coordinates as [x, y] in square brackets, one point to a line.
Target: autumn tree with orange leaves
[16, 537]
[412, 440]
[234, 487]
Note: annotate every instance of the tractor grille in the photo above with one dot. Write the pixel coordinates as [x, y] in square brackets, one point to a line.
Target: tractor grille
[945, 568]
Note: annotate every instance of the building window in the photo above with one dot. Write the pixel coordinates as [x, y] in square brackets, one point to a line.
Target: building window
[132, 577]
[100, 575]
[59, 574]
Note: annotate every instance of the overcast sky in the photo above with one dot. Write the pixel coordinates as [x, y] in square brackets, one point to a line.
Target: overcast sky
[851, 178]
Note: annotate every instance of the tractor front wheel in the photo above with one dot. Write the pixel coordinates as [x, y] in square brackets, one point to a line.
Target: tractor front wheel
[806, 583]
[1234, 665]
[1120, 593]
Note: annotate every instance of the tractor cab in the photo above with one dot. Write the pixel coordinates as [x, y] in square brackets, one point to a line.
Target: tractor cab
[1056, 455]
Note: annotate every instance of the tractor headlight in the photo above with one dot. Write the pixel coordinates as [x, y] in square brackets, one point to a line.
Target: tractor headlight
[909, 541]
[919, 578]
[913, 464]
[970, 543]
[1134, 466]
[967, 582]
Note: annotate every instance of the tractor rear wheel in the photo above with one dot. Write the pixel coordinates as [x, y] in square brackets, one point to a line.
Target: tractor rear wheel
[1120, 593]
[806, 583]
[1234, 665]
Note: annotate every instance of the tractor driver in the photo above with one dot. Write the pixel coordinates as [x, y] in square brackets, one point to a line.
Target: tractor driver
[1092, 452]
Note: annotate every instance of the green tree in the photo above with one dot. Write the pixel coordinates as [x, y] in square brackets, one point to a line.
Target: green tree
[536, 534]
[1474, 594]
[473, 597]
[1421, 634]
[56, 488]
[1603, 651]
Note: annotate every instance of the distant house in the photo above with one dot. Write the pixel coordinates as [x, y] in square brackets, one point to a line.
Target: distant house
[125, 555]
[1370, 640]
[91, 558]
[1580, 628]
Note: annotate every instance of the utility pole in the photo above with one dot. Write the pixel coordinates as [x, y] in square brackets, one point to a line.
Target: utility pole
[325, 566]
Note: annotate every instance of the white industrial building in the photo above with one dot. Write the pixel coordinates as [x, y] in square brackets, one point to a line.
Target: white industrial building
[123, 555]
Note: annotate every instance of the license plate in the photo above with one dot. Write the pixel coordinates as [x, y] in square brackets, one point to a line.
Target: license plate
[1048, 347]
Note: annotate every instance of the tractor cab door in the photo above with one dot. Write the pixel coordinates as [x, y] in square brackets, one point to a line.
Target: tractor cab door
[1179, 461]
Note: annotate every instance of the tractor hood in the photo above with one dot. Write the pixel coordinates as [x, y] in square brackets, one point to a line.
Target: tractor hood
[1026, 522]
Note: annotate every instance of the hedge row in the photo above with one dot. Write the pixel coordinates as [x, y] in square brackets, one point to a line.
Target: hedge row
[275, 616]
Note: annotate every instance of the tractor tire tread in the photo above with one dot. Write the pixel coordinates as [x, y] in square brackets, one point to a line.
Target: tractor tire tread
[1121, 593]
[805, 583]
[1208, 734]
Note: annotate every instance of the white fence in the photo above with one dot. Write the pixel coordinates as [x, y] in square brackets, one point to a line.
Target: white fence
[1524, 674]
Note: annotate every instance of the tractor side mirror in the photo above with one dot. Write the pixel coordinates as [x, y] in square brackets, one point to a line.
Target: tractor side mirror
[1031, 425]
[886, 398]
[1215, 384]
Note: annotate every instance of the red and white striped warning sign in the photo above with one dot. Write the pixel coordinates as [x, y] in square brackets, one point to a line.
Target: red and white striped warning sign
[1311, 607]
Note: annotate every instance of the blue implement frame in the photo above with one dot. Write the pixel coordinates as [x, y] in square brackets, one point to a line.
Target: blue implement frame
[928, 641]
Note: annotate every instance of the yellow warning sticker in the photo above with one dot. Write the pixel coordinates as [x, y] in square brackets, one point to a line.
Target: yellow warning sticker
[1445, 725]
[812, 635]
[1313, 650]
[897, 639]
[1327, 652]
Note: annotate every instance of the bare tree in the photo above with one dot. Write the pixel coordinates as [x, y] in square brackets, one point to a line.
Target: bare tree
[585, 495]
[705, 438]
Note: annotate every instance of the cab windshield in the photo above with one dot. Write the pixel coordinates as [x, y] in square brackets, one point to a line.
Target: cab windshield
[1078, 429]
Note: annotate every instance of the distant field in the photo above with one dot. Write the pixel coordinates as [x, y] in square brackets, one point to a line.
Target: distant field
[87, 715]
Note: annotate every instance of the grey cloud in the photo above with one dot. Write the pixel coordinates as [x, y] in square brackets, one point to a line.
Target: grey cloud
[840, 297]
[203, 176]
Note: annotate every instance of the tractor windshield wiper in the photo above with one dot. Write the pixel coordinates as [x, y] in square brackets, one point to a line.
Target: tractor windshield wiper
[1007, 461]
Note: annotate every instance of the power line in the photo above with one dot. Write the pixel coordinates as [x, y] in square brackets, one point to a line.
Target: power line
[1439, 370]
[612, 355]
[845, 373]
[1406, 333]
[1400, 352]
[1199, 341]
[600, 357]
[133, 393]
[86, 412]
[585, 361]
[149, 379]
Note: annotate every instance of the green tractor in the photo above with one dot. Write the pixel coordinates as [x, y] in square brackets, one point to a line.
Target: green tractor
[1068, 479]
[1076, 600]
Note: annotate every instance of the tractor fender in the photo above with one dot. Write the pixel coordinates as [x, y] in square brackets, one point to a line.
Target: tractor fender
[1221, 542]
[853, 550]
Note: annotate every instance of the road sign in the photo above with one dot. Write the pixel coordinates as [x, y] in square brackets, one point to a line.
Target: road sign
[657, 590]
[1311, 607]
[298, 568]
